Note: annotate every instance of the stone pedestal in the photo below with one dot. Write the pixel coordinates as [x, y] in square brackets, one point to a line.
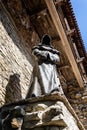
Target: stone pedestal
[48, 112]
[45, 114]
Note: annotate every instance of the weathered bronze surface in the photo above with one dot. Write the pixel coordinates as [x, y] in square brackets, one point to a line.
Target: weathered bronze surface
[45, 77]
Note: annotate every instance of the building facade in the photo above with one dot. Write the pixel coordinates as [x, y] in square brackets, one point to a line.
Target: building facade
[22, 24]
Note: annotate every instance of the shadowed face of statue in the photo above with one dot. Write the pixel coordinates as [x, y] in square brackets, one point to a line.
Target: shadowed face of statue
[46, 40]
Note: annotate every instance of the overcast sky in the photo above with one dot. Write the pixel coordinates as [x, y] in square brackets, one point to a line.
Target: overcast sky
[80, 10]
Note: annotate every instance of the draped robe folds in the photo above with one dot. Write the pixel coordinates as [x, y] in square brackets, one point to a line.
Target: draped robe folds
[45, 77]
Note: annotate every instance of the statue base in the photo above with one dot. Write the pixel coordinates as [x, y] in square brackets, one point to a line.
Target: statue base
[48, 112]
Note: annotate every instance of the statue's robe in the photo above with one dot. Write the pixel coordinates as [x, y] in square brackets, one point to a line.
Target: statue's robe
[45, 77]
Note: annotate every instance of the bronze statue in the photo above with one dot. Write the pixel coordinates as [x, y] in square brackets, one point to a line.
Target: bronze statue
[45, 77]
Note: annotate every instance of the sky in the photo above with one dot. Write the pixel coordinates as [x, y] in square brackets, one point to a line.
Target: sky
[80, 10]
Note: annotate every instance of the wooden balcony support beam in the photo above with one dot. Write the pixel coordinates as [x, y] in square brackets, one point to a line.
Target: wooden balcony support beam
[65, 43]
[70, 32]
[59, 2]
[80, 59]
[64, 67]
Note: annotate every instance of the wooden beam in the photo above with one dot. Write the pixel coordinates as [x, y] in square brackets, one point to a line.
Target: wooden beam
[67, 25]
[80, 59]
[57, 22]
[70, 32]
[64, 67]
[59, 2]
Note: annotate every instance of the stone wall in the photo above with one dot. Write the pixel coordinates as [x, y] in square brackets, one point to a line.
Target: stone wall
[15, 62]
[78, 100]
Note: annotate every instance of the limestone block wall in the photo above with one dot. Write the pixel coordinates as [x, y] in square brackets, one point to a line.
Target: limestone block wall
[15, 66]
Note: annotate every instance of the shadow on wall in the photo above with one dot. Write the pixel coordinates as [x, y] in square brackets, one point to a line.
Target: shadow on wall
[13, 89]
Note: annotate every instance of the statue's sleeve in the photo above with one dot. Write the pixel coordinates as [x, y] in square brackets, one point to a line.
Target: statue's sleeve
[40, 54]
[54, 58]
[48, 54]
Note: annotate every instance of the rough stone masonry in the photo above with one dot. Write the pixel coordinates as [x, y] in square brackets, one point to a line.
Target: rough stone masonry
[13, 62]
